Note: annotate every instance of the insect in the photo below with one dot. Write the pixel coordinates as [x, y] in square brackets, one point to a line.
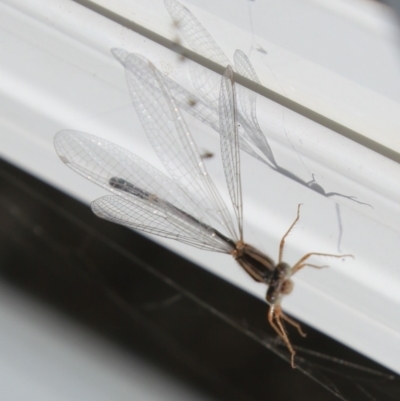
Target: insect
[186, 207]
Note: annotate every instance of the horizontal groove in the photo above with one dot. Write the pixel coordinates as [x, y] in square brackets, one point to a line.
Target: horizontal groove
[261, 90]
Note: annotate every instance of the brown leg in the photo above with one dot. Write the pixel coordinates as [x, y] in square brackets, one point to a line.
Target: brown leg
[274, 314]
[294, 324]
[282, 244]
[299, 265]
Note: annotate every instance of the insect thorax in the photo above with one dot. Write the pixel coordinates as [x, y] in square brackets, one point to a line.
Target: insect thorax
[280, 283]
[258, 265]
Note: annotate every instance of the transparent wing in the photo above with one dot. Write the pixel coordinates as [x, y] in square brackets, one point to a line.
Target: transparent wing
[206, 82]
[245, 68]
[170, 137]
[230, 143]
[100, 161]
[192, 104]
[183, 98]
[194, 32]
[155, 216]
[247, 104]
[120, 54]
[208, 115]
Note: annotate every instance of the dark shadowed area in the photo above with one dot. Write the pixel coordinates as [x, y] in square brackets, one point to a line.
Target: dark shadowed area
[157, 306]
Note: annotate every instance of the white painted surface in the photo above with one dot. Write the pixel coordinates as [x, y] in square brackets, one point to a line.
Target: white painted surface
[56, 72]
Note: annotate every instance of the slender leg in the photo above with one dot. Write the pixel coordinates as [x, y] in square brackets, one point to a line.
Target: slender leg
[274, 314]
[294, 324]
[299, 265]
[282, 244]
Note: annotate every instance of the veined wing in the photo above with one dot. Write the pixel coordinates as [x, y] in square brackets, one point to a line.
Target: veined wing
[183, 98]
[203, 112]
[191, 103]
[170, 137]
[194, 32]
[207, 115]
[206, 83]
[101, 161]
[200, 41]
[230, 143]
[148, 213]
[247, 105]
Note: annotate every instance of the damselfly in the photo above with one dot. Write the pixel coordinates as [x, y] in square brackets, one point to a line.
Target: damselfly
[186, 207]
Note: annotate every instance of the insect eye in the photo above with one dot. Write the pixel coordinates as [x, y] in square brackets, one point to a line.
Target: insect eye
[287, 287]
